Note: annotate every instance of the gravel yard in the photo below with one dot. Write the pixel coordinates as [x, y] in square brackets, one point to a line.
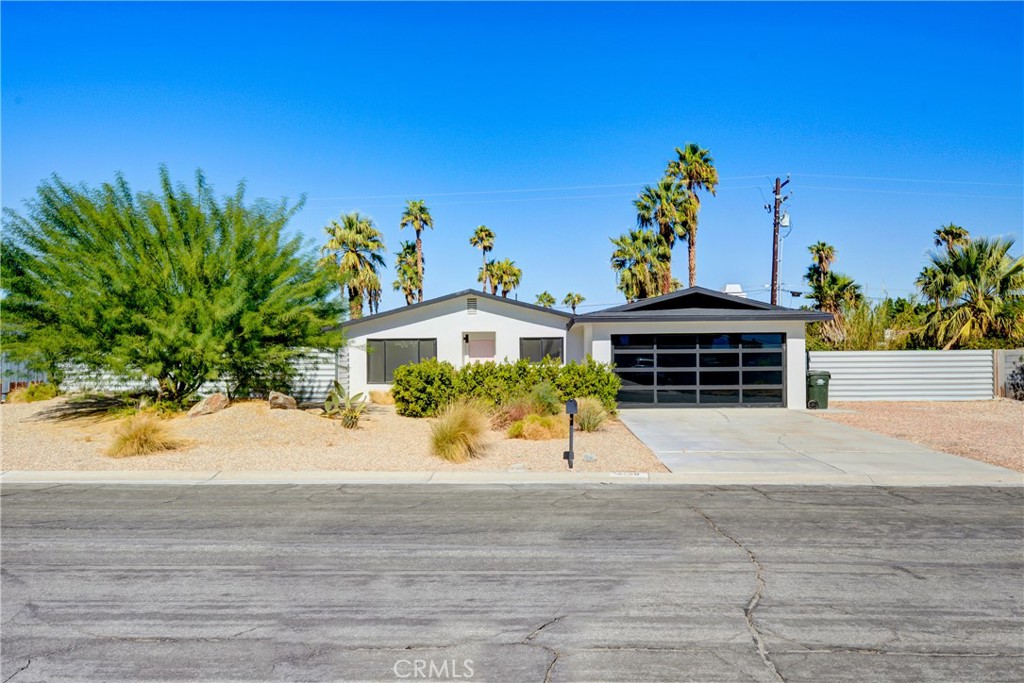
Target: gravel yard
[990, 431]
[248, 436]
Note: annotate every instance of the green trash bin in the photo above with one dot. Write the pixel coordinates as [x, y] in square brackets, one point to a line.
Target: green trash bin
[817, 388]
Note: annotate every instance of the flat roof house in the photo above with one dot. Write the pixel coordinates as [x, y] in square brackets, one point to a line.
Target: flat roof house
[692, 348]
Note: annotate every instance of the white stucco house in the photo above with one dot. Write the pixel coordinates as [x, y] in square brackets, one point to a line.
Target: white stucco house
[692, 348]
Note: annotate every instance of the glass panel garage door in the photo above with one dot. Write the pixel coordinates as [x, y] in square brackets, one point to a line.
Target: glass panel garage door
[737, 369]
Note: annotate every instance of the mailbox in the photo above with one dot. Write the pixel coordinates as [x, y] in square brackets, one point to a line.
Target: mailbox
[571, 407]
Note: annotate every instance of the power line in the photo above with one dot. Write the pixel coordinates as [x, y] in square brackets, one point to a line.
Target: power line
[930, 194]
[908, 180]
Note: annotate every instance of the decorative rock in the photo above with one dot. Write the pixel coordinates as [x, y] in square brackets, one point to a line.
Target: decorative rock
[210, 404]
[589, 457]
[282, 401]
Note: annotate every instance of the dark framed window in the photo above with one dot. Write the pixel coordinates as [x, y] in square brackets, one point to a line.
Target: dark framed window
[384, 355]
[534, 349]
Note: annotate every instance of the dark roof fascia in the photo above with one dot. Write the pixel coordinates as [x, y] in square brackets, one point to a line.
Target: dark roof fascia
[455, 295]
[706, 315]
[682, 293]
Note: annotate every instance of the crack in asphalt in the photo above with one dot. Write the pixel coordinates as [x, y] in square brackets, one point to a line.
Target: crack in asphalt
[748, 611]
[19, 670]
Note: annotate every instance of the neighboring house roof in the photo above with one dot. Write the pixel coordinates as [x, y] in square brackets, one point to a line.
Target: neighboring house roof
[697, 304]
[447, 297]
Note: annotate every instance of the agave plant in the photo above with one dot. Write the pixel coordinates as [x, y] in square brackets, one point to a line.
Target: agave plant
[340, 405]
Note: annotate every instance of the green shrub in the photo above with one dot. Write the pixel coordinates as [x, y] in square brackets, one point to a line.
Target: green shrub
[458, 434]
[424, 388]
[540, 427]
[589, 378]
[590, 414]
[499, 382]
[32, 393]
[546, 399]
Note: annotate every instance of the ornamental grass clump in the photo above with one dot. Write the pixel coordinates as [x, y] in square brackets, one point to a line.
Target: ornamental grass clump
[590, 414]
[459, 432]
[540, 428]
[143, 434]
[32, 393]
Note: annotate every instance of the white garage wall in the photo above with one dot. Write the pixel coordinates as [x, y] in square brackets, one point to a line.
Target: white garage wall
[796, 389]
[447, 321]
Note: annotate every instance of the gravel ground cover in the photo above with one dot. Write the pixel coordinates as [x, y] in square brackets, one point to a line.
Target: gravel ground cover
[990, 431]
[248, 436]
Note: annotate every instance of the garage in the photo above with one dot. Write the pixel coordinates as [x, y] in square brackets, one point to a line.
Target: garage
[698, 348]
[716, 369]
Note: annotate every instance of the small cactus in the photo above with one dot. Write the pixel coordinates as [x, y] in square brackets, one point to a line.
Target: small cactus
[340, 405]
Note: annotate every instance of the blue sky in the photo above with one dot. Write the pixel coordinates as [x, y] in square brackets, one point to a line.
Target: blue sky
[543, 121]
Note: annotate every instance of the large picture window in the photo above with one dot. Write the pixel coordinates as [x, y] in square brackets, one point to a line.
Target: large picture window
[534, 349]
[384, 355]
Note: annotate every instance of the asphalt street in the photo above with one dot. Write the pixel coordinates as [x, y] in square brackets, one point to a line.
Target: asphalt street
[521, 584]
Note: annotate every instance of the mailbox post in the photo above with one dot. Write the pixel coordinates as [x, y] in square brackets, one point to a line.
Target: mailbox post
[571, 408]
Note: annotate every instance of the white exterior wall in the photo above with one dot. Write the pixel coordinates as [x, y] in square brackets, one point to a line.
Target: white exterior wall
[447, 321]
[796, 344]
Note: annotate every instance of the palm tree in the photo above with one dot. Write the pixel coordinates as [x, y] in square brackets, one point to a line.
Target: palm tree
[695, 169]
[418, 216]
[573, 300]
[666, 206]
[505, 276]
[408, 277]
[353, 252]
[640, 260]
[951, 236]
[483, 239]
[545, 299]
[823, 255]
[978, 292]
[490, 275]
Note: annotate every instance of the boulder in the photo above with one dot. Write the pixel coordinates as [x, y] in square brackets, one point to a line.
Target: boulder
[282, 401]
[210, 404]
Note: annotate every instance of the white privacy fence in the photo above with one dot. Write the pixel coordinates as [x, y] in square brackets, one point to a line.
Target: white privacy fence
[316, 371]
[914, 375]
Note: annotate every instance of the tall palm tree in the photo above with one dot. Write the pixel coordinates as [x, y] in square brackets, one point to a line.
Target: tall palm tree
[408, 277]
[483, 239]
[417, 215]
[490, 275]
[823, 256]
[353, 252]
[640, 260]
[507, 276]
[545, 299]
[573, 300]
[695, 169]
[667, 207]
[951, 236]
[978, 292]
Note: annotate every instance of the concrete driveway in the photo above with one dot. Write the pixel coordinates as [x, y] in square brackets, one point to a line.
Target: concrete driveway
[794, 447]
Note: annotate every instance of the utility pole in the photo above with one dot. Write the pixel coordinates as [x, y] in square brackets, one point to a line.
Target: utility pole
[779, 199]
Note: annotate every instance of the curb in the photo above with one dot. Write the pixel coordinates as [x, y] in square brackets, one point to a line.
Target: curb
[338, 478]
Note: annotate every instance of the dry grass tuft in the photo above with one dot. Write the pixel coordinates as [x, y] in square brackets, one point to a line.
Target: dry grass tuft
[143, 434]
[513, 411]
[32, 393]
[591, 414]
[382, 398]
[458, 434]
[540, 428]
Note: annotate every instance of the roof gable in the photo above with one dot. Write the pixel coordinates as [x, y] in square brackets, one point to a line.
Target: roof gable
[694, 297]
[447, 297]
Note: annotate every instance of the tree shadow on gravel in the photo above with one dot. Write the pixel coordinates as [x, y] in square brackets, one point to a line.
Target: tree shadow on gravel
[88, 407]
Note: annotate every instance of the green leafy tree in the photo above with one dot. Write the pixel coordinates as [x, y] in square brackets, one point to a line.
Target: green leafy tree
[483, 239]
[639, 260]
[976, 292]
[408, 280]
[695, 169]
[417, 216]
[572, 300]
[353, 255]
[545, 299]
[177, 286]
[667, 207]
[951, 236]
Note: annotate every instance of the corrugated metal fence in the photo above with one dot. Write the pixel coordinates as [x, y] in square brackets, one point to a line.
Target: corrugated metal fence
[908, 375]
[316, 371]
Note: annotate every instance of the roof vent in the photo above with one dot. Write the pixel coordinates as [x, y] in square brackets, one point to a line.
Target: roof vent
[735, 290]
[471, 305]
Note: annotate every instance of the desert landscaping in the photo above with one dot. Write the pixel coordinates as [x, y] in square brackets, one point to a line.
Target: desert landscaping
[249, 436]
